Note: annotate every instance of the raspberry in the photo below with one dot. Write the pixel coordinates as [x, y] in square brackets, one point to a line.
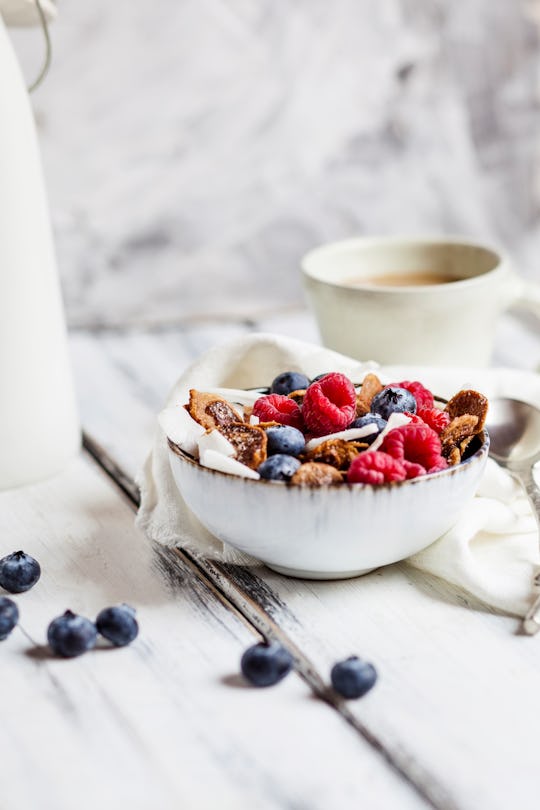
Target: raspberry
[422, 395]
[436, 419]
[412, 469]
[441, 464]
[415, 418]
[329, 405]
[418, 444]
[374, 467]
[278, 408]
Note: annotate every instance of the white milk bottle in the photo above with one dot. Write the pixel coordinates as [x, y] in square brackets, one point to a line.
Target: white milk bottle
[39, 429]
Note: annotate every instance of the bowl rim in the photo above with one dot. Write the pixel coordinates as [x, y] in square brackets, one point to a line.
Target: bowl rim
[475, 458]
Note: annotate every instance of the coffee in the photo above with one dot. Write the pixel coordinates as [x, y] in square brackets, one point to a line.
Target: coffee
[419, 278]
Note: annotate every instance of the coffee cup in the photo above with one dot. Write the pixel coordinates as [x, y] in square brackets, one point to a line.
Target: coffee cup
[425, 300]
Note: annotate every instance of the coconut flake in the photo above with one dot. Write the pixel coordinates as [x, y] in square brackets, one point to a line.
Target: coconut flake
[348, 435]
[214, 440]
[217, 461]
[394, 420]
[181, 428]
[254, 420]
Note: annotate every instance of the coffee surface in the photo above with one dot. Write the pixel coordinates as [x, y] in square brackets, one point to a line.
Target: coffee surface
[412, 279]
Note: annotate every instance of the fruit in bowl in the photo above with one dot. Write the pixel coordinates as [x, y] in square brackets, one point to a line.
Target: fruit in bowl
[332, 479]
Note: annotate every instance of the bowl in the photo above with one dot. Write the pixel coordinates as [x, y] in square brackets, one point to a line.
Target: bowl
[328, 532]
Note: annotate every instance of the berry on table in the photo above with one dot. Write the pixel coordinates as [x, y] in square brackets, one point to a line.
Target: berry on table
[266, 664]
[393, 400]
[375, 467]
[19, 572]
[353, 678]
[70, 635]
[370, 419]
[329, 405]
[288, 382]
[9, 616]
[284, 439]
[278, 408]
[118, 624]
[279, 467]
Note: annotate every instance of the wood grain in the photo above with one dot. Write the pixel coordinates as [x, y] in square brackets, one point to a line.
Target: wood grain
[445, 712]
[166, 722]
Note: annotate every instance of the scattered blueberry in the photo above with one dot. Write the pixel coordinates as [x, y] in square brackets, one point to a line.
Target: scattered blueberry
[353, 677]
[279, 467]
[370, 419]
[393, 400]
[71, 635]
[285, 439]
[9, 616]
[288, 382]
[265, 664]
[19, 572]
[118, 625]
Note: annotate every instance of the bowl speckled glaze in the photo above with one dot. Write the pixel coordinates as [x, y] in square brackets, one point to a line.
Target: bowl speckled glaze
[328, 532]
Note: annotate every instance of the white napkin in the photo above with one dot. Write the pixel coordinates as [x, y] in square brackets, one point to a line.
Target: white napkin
[492, 552]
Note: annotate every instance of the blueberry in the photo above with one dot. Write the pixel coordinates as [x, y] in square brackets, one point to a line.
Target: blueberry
[370, 419]
[19, 572]
[285, 439]
[9, 616]
[393, 400]
[266, 664]
[353, 677]
[70, 635]
[118, 625]
[279, 467]
[288, 382]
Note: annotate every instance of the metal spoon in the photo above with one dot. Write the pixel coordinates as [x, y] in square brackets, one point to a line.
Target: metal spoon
[514, 431]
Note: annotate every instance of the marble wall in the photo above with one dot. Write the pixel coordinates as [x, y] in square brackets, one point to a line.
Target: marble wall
[194, 149]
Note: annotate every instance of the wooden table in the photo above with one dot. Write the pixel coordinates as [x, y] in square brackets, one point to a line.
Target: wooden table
[168, 722]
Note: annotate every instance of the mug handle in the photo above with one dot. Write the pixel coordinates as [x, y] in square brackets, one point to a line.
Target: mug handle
[526, 296]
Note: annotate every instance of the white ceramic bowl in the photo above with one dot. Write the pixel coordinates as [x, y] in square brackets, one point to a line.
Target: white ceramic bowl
[328, 532]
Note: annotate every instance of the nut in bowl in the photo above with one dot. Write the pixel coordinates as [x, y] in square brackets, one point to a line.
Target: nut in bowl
[327, 479]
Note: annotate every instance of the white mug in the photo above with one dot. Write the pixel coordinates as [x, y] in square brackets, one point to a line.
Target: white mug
[372, 302]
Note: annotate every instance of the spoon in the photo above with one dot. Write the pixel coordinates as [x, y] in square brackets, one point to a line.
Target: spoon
[514, 431]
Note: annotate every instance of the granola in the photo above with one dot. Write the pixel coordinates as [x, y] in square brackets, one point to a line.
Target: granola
[316, 474]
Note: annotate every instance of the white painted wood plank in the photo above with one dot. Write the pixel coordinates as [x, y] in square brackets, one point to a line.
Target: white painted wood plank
[166, 722]
[457, 686]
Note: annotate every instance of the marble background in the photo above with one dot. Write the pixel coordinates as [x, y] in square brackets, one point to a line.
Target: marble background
[194, 150]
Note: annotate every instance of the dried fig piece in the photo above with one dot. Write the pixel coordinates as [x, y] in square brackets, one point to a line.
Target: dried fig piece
[249, 442]
[336, 452]
[469, 402]
[210, 411]
[315, 474]
[371, 386]
[454, 456]
[460, 429]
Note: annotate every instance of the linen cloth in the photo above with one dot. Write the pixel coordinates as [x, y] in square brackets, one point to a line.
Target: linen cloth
[492, 552]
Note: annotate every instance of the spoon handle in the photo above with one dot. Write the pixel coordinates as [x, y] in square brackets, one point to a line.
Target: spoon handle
[531, 622]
